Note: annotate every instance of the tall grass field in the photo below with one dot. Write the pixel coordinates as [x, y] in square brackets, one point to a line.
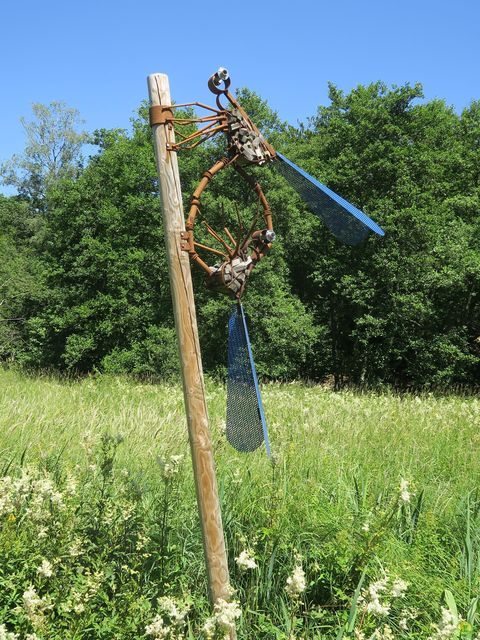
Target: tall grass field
[364, 524]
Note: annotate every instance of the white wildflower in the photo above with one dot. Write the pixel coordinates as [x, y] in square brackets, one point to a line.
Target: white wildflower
[128, 509]
[209, 628]
[7, 635]
[383, 634]
[405, 494]
[230, 591]
[93, 582]
[57, 498]
[142, 541]
[176, 614]
[33, 605]
[42, 532]
[157, 628]
[31, 599]
[74, 602]
[43, 486]
[71, 485]
[171, 466]
[225, 614]
[399, 588]
[379, 586]
[366, 527]
[296, 582]
[378, 608]
[45, 569]
[403, 623]
[23, 485]
[31, 636]
[448, 627]
[169, 625]
[371, 596]
[76, 548]
[245, 561]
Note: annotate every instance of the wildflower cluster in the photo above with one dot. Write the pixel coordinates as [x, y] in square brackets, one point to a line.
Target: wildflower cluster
[245, 561]
[170, 467]
[405, 492]
[86, 587]
[45, 569]
[35, 607]
[296, 583]
[170, 622]
[383, 633]
[29, 495]
[377, 598]
[7, 635]
[448, 627]
[223, 620]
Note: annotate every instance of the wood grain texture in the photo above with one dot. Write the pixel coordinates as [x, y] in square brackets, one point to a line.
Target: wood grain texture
[189, 348]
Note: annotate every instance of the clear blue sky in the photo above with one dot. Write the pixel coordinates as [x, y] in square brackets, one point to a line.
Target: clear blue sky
[95, 55]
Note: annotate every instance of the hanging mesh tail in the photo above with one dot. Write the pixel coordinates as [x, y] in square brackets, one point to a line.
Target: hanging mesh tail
[246, 424]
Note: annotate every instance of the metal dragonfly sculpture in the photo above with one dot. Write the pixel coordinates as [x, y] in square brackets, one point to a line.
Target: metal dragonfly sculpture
[236, 257]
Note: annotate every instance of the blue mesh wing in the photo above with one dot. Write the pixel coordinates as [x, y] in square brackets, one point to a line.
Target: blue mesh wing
[347, 223]
[246, 424]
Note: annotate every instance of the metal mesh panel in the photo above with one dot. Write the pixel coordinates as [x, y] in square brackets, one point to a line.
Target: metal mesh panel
[246, 424]
[346, 222]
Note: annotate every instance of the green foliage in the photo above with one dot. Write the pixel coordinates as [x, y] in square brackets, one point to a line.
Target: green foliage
[107, 265]
[402, 310]
[373, 496]
[21, 276]
[53, 152]
[156, 355]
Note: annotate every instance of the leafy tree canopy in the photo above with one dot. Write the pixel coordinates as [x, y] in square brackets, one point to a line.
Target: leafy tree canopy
[400, 310]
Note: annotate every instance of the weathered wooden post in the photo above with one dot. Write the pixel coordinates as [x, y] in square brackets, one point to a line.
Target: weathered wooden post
[188, 344]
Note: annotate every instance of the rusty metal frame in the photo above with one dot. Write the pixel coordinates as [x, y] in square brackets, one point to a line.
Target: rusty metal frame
[237, 246]
[218, 121]
[165, 115]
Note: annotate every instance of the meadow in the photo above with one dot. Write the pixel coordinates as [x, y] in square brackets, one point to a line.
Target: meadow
[364, 524]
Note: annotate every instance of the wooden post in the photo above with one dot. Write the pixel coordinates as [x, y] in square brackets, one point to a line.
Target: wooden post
[189, 348]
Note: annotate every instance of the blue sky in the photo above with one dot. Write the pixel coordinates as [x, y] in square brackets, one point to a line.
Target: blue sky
[95, 55]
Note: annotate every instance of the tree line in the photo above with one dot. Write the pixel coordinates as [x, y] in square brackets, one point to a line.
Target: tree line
[83, 275]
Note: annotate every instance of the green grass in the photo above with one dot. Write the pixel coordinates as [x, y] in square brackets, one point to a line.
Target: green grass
[332, 496]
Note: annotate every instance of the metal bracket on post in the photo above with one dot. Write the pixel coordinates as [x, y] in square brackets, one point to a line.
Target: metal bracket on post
[160, 115]
[186, 241]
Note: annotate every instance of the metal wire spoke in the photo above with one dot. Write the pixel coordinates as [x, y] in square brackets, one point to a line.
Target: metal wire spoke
[246, 425]
[347, 223]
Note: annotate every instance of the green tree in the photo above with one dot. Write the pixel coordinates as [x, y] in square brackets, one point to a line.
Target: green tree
[21, 277]
[110, 302]
[53, 151]
[403, 309]
[106, 262]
